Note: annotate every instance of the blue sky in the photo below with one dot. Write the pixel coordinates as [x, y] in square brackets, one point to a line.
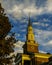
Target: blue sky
[41, 17]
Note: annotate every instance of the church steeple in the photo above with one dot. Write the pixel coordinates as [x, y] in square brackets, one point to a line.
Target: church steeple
[30, 34]
[29, 21]
[30, 44]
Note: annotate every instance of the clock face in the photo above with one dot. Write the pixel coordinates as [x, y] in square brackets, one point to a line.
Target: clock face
[32, 47]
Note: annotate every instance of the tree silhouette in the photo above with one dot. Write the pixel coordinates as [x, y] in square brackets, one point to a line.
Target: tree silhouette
[4, 23]
[50, 61]
[6, 46]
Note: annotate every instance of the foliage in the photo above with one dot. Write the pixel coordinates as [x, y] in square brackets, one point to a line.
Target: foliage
[6, 46]
[4, 23]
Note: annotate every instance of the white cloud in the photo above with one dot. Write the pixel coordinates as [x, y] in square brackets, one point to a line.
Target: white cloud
[42, 36]
[45, 20]
[49, 5]
[0, 0]
[24, 20]
[19, 43]
[41, 24]
[7, 37]
[24, 30]
[49, 43]
[18, 47]
[44, 40]
[17, 35]
[18, 51]
[33, 10]
[16, 11]
[37, 23]
[42, 51]
[19, 9]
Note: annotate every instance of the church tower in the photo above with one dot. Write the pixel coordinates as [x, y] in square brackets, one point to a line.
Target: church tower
[30, 46]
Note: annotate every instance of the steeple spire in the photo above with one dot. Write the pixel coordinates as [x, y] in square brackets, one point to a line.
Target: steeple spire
[29, 21]
[30, 34]
[30, 45]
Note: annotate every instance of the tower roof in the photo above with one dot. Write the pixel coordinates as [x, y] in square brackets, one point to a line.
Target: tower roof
[29, 21]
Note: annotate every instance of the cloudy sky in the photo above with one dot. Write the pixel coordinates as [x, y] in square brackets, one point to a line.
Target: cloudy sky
[41, 18]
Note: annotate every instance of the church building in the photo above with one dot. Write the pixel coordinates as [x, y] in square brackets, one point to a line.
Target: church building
[31, 54]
